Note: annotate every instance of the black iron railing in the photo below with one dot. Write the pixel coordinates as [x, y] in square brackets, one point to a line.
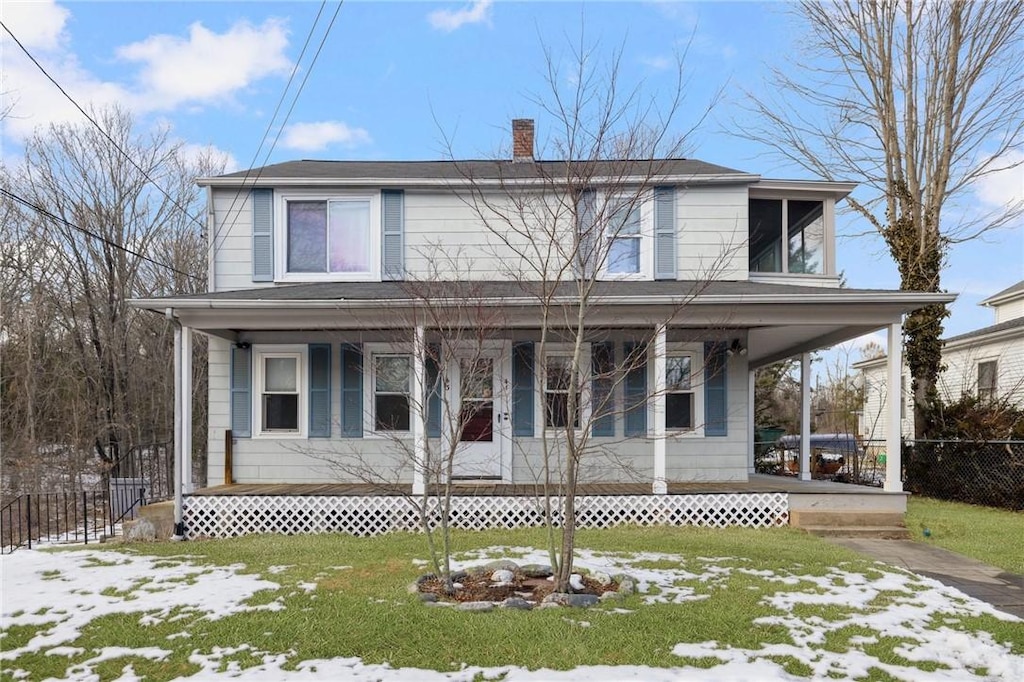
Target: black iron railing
[152, 463]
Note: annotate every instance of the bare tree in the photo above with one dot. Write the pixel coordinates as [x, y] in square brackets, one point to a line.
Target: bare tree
[88, 230]
[918, 101]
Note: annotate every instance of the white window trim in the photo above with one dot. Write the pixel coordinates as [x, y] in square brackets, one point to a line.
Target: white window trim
[696, 353]
[370, 350]
[828, 216]
[261, 351]
[539, 416]
[281, 200]
[645, 202]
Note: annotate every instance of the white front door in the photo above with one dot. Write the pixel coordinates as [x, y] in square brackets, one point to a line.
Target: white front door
[484, 419]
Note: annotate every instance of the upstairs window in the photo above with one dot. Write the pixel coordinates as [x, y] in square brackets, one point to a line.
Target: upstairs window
[328, 237]
[787, 235]
[988, 380]
[627, 235]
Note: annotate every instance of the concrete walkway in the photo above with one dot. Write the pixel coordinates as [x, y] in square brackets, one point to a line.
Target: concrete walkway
[1001, 589]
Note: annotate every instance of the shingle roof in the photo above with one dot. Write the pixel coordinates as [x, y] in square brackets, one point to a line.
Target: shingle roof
[479, 169]
[1017, 288]
[991, 329]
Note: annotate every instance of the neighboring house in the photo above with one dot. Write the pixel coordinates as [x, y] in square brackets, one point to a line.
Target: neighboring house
[318, 339]
[986, 362]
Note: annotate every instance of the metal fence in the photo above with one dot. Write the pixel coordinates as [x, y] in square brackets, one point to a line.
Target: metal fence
[977, 472]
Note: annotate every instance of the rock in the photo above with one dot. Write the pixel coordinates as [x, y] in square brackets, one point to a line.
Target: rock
[559, 598]
[576, 582]
[602, 578]
[582, 601]
[458, 576]
[457, 586]
[425, 577]
[501, 565]
[413, 588]
[141, 530]
[503, 576]
[479, 606]
[438, 603]
[548, 605]
[516, 603]
[536, 571]
[611, 595]
[627, 587]
[428, 597]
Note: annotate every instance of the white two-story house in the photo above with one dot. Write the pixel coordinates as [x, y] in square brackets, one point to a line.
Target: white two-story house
[334, 286]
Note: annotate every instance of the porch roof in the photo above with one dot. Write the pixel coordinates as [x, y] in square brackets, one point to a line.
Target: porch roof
[780, 320]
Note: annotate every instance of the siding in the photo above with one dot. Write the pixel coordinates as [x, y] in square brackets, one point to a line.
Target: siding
[1010, 310]
[712, 224]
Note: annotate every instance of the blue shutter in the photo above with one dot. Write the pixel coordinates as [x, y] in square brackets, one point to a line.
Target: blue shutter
[635, 389]
[715, 393]
[433, 390]
[241, 392]
[351, 390]
[603, 364]
[393, 227]
[319, 390]
[587, 234]
[262, 235]
[665, 238]
[522, 389]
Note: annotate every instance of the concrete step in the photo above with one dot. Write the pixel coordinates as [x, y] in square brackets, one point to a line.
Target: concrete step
[877, 532]
[845, 519]
[161, 515]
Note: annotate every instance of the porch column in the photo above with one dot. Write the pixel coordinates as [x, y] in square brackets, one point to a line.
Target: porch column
[751, 438]
[660, 445]
[179, 526]
[419, 425]
[805, 416]
[893, 432]
[186, 409]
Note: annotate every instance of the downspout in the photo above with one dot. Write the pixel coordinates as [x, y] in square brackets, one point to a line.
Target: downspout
[179, 524]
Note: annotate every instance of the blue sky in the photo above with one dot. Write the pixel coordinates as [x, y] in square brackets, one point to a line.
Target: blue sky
[395, 78]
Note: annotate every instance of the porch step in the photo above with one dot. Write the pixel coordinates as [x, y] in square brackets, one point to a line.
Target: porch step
[161, 515]
[877, 532]
[850, 518]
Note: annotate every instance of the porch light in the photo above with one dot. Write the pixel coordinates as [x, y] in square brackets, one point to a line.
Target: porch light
[736, 348]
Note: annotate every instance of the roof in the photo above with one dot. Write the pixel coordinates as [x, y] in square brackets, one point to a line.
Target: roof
[1012, 291]
[636, 292]
[475, 169]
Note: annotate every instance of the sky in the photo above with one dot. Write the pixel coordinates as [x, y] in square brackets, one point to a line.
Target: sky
[411, 80]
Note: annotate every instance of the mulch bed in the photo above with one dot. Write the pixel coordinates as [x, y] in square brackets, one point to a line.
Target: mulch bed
[477, 586]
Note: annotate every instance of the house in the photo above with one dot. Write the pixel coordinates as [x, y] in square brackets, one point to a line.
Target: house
[987, 363]
[334, 283]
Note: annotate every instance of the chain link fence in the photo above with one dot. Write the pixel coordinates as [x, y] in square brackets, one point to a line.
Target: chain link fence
[990, 473]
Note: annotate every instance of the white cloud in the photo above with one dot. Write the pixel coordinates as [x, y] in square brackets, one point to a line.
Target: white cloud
[318, 135]
[449, 20]
[207, 66]
[1005, 187]
[39, 25]
[658, 62]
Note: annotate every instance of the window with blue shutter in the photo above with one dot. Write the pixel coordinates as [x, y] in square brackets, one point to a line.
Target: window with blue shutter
[602, 360]
[392, 237]
[433, 390]
[241, 391]
[351, 390]
[262, 235]
[635, 389]
[319, 390]
[665, 238]
[715, 390]
[522, 389]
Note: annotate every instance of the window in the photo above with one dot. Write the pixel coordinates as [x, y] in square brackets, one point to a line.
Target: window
[988, 379]
[328, 237]
[787, 235]
[280, 391]
[392, 380]
[679, 403]
[627, 234]
[557, 389]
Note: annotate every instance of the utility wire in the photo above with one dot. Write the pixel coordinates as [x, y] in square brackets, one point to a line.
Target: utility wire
[89, 233]
[100, 128]
[291, 108]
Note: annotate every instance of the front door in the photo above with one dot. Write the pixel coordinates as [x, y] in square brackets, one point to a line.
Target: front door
[483, 419]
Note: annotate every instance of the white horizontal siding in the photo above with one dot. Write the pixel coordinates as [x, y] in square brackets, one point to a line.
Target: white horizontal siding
[712, 228]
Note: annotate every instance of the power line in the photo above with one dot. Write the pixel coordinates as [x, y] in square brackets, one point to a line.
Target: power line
[42, 211]
[280, 101]
[100, 128]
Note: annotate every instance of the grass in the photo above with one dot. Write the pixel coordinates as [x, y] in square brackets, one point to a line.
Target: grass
[995, 536]
[365, 610]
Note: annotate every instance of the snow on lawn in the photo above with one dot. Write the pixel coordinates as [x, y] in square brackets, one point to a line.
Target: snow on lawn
[61, 592]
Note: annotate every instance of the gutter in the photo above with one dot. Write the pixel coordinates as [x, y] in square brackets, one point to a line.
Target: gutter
[448, 183]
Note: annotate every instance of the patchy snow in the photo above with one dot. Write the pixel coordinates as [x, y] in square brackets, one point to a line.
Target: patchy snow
[61, 592]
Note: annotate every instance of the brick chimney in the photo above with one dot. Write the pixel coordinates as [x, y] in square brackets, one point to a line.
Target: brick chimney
[522, 139]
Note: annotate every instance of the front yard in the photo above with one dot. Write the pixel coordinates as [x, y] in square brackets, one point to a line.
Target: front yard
[735, 604]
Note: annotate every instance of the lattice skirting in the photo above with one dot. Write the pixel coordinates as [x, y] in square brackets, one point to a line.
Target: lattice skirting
[222, 516]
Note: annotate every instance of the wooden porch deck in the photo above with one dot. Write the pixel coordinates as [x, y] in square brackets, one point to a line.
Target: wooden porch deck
[757, 483]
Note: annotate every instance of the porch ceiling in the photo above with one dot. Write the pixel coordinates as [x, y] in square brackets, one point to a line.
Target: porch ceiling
[779, 320]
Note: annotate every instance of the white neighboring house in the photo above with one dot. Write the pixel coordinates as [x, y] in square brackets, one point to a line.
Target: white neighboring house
[987, 362]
